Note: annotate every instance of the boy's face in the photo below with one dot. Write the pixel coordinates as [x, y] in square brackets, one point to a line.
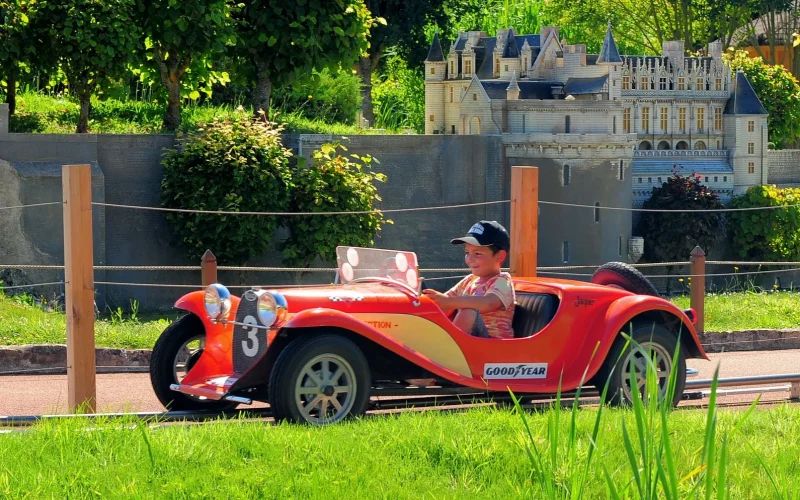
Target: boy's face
[481, 261]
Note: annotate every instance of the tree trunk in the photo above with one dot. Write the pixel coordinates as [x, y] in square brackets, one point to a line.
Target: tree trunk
[365, 73]
[11, 92]
[172, 119]
[262, 93]
[84, 97]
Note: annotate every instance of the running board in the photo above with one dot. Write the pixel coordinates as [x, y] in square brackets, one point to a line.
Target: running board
[234, 399]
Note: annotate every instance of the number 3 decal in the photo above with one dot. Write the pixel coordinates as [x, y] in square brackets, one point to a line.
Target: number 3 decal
[251, 335]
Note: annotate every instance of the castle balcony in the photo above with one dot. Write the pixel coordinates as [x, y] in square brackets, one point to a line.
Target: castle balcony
[680, 153]
[675, 94]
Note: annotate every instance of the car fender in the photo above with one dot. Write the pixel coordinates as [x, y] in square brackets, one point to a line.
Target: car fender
[623, 310]
[323, 317]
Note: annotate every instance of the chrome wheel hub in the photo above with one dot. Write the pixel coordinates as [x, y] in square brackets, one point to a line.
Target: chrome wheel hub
[637, 360]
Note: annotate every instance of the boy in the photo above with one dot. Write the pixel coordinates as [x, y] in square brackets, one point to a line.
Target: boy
[484, 299]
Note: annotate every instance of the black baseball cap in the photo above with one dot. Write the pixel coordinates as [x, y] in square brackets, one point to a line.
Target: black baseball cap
[485, 233]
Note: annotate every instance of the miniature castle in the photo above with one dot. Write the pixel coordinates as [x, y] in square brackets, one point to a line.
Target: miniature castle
[690, 114]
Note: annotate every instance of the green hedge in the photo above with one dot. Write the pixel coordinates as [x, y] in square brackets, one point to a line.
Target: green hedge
[771, 234]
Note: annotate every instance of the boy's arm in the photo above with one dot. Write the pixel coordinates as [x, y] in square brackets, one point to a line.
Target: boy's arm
[487, 303]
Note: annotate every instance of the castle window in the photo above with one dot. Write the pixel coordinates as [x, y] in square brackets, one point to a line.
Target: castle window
[659, 180]
[645, 120]
[751, 148]
[649, 180]
[453, 129]
[699, 145]
[682, 119]
[701, 118]
[614, 124]
[681, 83]
[664, 116]
[566, 124]
[644, 83]
[621, 170]
[751, 125]
[451, 94]
[468, 66]
[662, 83]
[640, 180]
[717, 118]
[506, 66]
[431, 118]
[565, 179]
[433, 70]
[706, 178]
[718, 84]
[474, 97]
[700, 84]
[682, 145]
[724, 178]
[452, 69]
[626, 82]
[497, 66]
[524, 64]
[751, 167]
[565, 252]
[716, 179]
[597, 212]
[626, 120]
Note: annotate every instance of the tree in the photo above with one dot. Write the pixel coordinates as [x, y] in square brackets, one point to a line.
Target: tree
[404, 30]
[671, 236]
[777, 90]
[182, 36]
[772, 234]
[283, 39]
[93, 41]
[15, 46]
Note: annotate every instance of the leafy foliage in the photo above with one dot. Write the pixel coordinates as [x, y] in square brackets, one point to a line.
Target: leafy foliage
[777, 90]
[284, 40]
[324, 95]
[181, 36]
[332, 183]
[231, 166]
[16, 45]
[92, 39]
[672, 236]
[770, 235]
[399, 97]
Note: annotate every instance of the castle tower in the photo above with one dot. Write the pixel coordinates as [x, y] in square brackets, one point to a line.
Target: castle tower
[745, 123]
[510, 61]
[609, 57]
[435, 71]
[512, 91]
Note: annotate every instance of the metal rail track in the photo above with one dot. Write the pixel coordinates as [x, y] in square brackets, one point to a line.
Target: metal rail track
[438, 397]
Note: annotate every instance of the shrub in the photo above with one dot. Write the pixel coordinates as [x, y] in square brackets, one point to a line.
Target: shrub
[332, 183]
[399, 97]
[672, 236]
[770, 235]
[322, 95]
[231, 166]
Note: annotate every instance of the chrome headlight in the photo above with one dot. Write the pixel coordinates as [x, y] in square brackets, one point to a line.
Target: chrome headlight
[217, 301]
[272, 308]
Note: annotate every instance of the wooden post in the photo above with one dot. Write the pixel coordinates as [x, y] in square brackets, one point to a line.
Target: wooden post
[524, 221]
[79, 277]
[208, 268]
[698, 289]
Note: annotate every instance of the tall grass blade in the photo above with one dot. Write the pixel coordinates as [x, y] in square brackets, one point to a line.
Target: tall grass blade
[721, 473]
[710, 436]
[632, 458]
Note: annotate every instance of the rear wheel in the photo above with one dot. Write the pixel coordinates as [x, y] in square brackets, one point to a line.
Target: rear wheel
[319, 380]
[175, 353]
[625, 277]
[654, 342]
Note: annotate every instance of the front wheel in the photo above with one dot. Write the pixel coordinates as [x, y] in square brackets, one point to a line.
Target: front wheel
[654, 342]
[319, 380]
[176, 351]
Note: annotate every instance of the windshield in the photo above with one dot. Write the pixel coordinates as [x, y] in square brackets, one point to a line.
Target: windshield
[355, 262]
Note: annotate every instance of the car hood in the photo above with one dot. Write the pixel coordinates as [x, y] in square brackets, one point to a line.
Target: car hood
[363, 296]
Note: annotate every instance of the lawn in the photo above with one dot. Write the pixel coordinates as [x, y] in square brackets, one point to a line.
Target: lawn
[26, 324]
[39, 113]
[480, 453]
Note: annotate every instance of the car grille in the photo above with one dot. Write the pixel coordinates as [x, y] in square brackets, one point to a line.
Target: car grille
[249, 343]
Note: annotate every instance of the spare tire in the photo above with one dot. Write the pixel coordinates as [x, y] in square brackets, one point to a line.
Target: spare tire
[624, 276]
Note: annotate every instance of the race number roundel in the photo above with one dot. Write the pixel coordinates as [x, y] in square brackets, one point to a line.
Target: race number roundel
[249, 342]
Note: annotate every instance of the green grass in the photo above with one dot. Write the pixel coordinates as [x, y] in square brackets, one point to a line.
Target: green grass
[477, 454]
[40, 113]
[25, 324]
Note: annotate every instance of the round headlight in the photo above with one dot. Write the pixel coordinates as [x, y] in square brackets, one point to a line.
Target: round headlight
[271, 308]
[217, 301]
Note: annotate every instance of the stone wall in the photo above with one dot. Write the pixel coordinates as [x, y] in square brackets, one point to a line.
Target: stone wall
[784, 167]
[422, 171]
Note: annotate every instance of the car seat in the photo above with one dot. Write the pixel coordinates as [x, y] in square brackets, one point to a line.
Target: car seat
[532, 312]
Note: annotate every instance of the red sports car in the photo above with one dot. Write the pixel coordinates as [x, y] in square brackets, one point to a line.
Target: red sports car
[317, 354]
